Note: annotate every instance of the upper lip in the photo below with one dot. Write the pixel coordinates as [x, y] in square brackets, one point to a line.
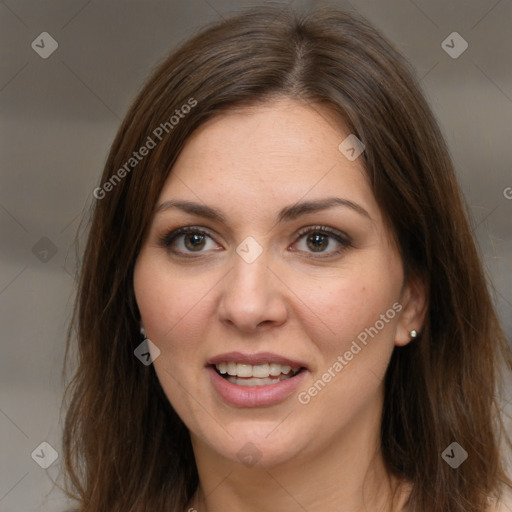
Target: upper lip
[254, 359]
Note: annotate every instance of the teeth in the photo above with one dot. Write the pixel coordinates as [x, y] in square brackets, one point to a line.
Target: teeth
[258, 371]
[253, 381]
[243, 370]
[231, 368]
[275, 369]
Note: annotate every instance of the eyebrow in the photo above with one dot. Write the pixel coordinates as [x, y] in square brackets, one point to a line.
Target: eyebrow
[286, 214]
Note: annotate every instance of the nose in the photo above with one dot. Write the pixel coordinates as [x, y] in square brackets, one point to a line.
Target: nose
[252, 296]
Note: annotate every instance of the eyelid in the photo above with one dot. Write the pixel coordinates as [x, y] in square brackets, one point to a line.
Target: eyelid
[326, 230]
[169, 236]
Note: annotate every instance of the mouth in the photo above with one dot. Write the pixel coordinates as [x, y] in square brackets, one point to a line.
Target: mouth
[255, 380]
[248, 375]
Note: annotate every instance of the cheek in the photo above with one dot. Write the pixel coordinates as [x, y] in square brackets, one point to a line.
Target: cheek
[171, 308]
[346, 305]
[170, 305]
[361, 313]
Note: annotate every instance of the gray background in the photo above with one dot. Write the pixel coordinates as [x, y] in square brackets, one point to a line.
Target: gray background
[59, 117]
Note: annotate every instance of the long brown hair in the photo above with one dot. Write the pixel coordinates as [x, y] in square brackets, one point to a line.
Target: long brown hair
[125, 448]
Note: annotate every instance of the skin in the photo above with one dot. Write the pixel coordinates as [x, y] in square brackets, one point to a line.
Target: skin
[292, 300]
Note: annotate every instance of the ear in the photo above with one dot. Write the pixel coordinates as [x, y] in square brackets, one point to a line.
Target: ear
[414, 300]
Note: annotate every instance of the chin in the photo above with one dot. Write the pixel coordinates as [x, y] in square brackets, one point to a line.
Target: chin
[260, 444]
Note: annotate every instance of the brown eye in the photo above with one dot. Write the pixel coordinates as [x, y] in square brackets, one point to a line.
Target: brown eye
[317, 242]
[322, 241]
[186, 240]
[194, 241]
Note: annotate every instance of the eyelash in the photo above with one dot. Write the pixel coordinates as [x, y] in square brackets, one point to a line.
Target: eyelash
[168, 239]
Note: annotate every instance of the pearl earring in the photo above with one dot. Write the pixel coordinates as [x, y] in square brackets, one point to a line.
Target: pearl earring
[143, 332]
[413, 334]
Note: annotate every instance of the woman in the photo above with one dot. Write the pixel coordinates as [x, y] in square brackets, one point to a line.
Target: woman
[279, 231]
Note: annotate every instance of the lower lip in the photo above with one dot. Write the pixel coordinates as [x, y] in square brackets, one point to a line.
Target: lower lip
[254, 396]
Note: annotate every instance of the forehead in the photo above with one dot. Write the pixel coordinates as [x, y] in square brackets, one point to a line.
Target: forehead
[269, 155]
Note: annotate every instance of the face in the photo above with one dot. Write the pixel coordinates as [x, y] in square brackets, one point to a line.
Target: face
[271, 286]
